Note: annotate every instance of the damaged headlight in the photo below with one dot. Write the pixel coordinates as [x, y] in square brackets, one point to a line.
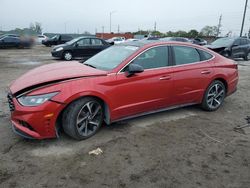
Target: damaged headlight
[35, 100]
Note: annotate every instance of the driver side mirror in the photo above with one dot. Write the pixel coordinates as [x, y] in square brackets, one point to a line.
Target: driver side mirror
[76, 45]
[133, 69]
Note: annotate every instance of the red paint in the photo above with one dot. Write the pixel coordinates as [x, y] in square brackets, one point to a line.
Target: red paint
[124, 96]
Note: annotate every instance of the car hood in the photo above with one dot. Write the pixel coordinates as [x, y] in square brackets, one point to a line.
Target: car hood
[211, 46]
[53, 73]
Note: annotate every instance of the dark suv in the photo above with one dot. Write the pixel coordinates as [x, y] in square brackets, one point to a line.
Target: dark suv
[84, 47]
[57, 39]
[230, 47]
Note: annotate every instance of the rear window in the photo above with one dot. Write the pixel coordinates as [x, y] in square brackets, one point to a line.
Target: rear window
[205, 55]
[185, 55]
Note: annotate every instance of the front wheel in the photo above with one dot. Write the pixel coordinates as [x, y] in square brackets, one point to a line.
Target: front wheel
[214, 96]
[67, 56]
[83, 118]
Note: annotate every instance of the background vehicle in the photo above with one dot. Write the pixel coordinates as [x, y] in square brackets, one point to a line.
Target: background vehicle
[123, 81]
[84, 47]
[179, 39]
[199, 41]
[116, 40]
[57, 39]
[9, 35]
[232, 47]
[14, 42]
[40, 38]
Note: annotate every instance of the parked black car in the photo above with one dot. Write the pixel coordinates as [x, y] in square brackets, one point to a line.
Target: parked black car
[57, 39]
[84, 47]
[232, 47]
[14, 42]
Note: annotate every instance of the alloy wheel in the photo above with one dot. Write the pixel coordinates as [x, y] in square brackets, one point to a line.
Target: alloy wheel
[89, 118]
[67, 56]
[215, 96]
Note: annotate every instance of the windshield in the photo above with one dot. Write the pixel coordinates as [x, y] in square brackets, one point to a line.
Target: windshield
[72, 41]
[111, 57]
[55, 37]
[223, 42]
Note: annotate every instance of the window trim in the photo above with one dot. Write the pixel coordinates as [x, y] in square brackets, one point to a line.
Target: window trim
[169, 58]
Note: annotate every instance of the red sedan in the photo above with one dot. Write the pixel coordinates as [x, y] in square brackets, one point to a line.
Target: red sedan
[123, 81]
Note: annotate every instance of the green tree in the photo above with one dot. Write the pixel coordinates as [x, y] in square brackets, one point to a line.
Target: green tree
[193, 33]
[209, 31]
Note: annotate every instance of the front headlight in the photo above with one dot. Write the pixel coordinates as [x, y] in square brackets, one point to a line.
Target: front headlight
[35, 100]
[59, 49]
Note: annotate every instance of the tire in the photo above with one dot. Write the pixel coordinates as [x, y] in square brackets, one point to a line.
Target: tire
[67, 55]
[83, 118]
[214, 96]
[247, 56]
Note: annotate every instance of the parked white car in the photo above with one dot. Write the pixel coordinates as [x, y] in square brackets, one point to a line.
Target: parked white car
[116, 40]
[40, 38]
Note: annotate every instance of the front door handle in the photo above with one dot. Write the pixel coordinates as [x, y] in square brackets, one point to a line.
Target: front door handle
[167, 77]
[205, 72]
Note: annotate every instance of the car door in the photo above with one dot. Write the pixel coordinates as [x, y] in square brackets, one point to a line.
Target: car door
[191, 74]
[146, 91]
[96, 46]
[237, 48]
[82, 48]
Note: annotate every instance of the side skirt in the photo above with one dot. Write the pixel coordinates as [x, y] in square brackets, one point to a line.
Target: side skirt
[154, 111]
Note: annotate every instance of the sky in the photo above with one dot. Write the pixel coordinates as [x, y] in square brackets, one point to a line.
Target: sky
[77, 16]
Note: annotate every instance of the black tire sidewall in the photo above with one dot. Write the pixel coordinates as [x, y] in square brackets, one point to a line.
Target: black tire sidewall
[70, 115]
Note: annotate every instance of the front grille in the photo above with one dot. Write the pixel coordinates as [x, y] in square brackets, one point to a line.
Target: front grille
[10, 101]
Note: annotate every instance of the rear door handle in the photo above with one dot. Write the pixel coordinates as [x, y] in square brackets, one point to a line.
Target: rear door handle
[167, 77]
[205, 72]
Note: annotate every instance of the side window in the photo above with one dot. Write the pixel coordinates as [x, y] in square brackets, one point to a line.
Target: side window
[243, 41]
[84, 42]
[237, 42]
[205, 55]
[185, 55]
[11, 39]
[153, 58]
[96, 42]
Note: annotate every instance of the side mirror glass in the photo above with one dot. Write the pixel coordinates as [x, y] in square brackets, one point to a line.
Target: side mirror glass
[133, 69]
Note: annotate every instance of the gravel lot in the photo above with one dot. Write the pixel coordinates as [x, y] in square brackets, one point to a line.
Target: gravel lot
[180, 148]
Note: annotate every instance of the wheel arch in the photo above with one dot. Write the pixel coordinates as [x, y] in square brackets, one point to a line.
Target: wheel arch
[223, 80]
[105, 105]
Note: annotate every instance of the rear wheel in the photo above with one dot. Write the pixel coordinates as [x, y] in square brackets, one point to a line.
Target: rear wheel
[247, 56]
[83, 118]
[67, 55]
[214, 96]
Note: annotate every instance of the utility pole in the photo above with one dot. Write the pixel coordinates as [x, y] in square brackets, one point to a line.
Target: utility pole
[110, 20]
[102, 31]
[155, 27]
[243, 19]
[65, 27]
[118, 29]
[219, 26]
